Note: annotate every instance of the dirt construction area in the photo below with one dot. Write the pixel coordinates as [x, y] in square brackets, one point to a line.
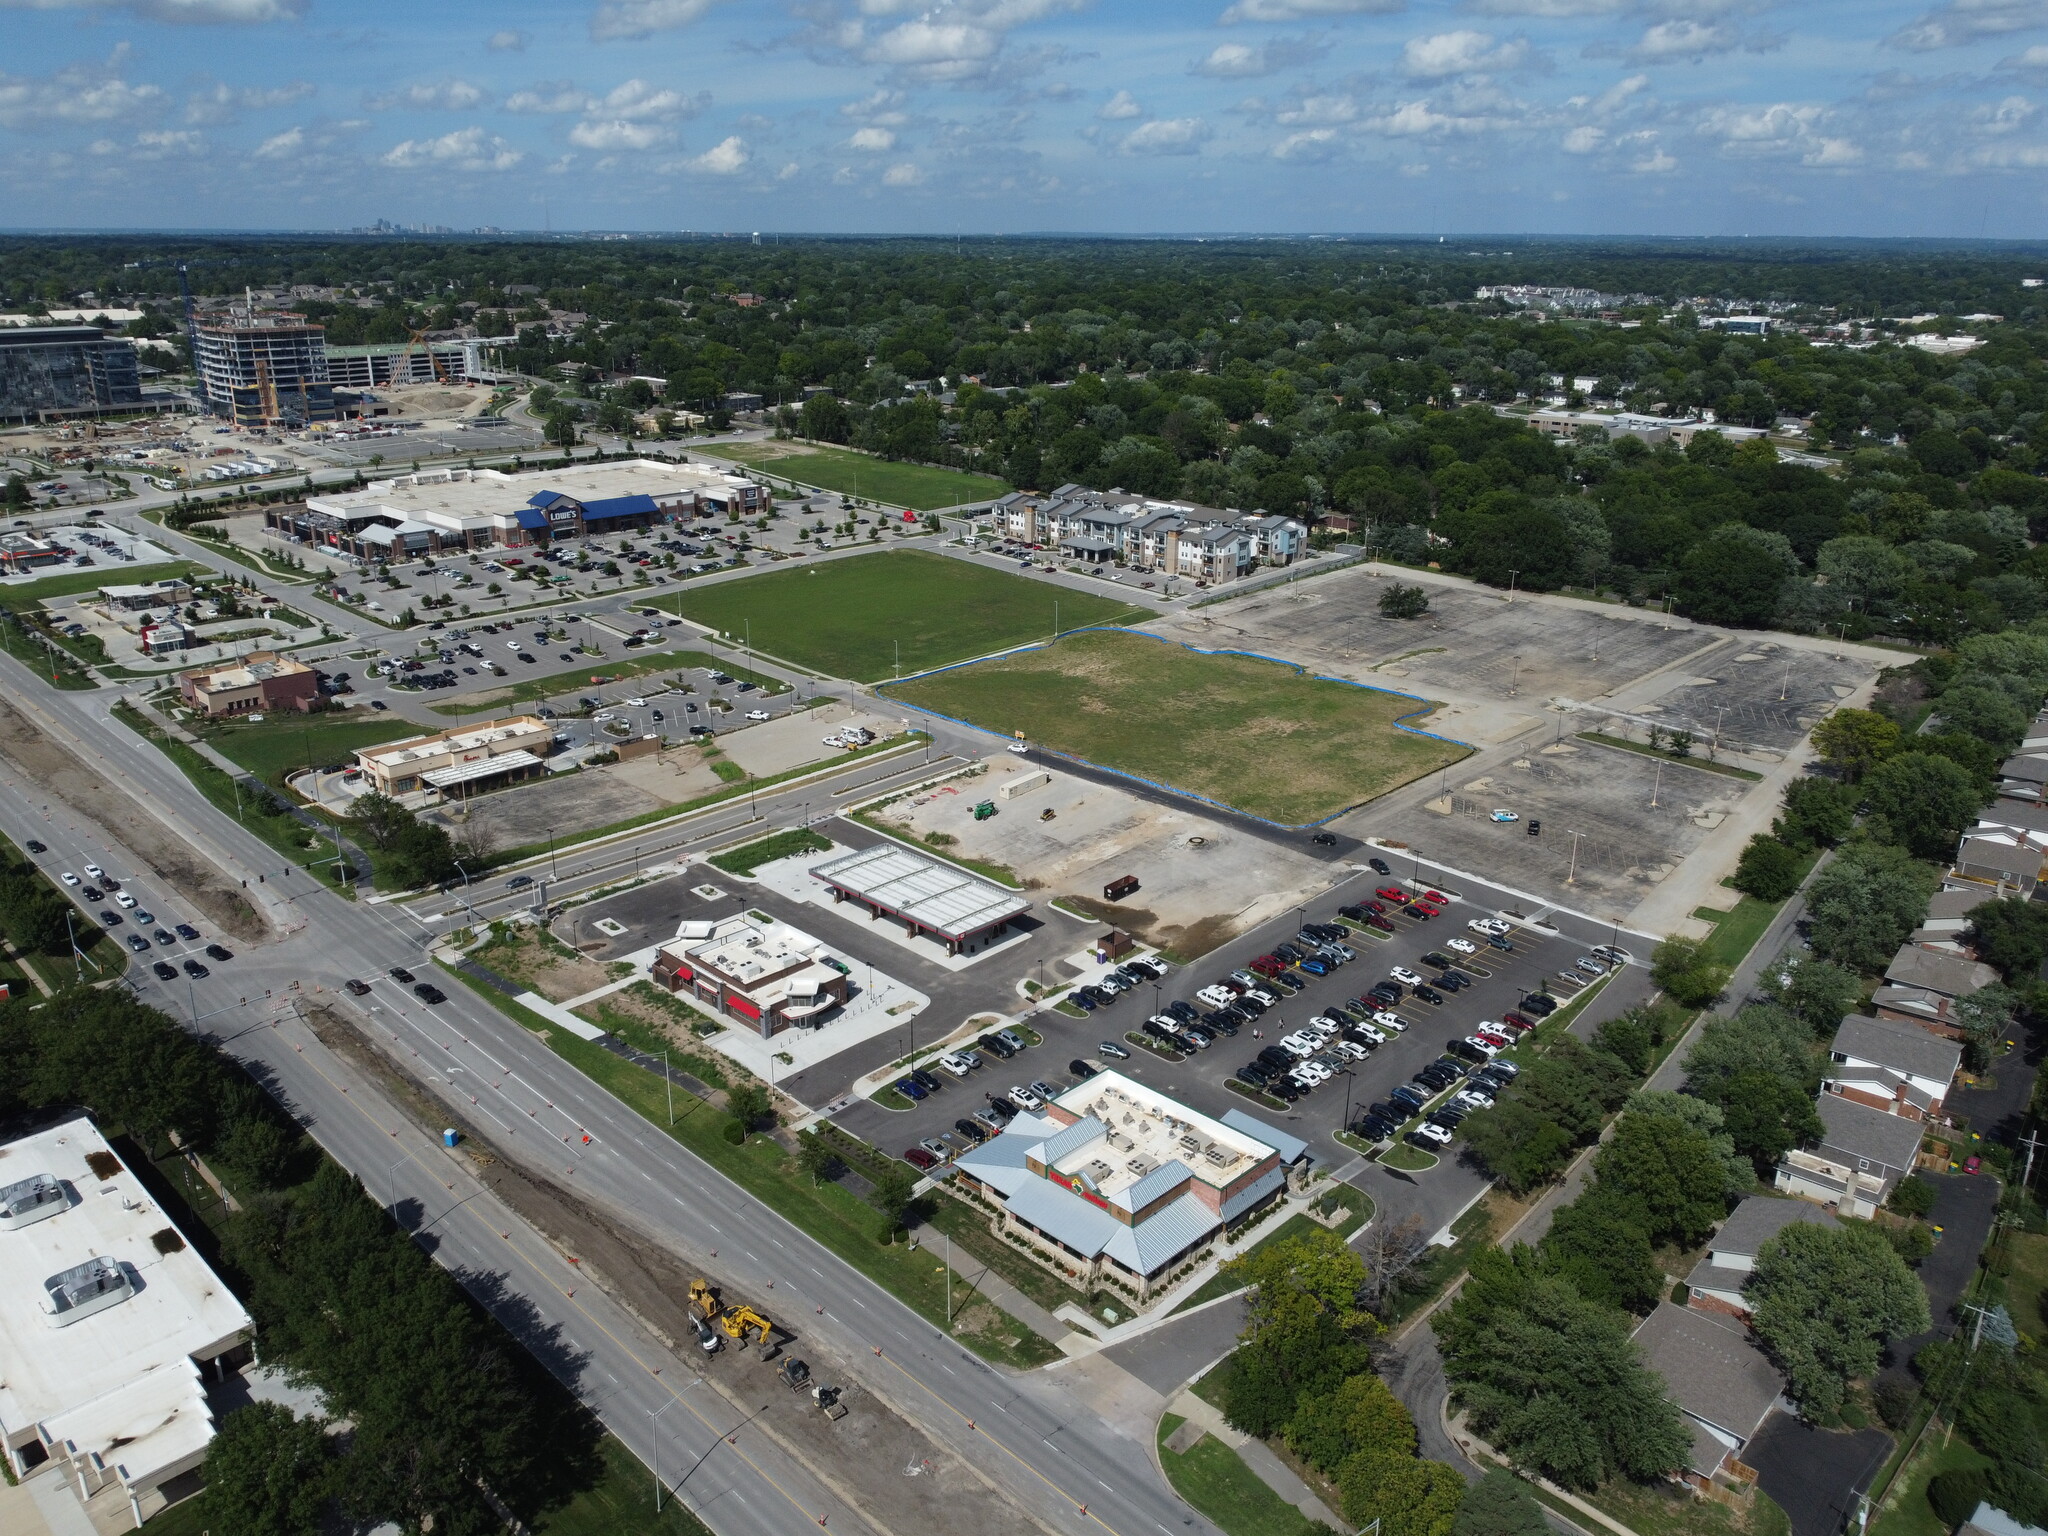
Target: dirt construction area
[1201, 880]
[1627, 846]
[64, 777]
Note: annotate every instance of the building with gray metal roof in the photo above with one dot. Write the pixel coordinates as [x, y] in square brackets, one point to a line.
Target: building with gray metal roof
[930, 898]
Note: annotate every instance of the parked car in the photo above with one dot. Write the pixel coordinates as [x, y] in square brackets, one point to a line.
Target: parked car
[919, 1158]
[1113, 1051]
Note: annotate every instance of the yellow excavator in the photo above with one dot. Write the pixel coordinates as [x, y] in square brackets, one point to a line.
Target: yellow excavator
[738, 1322]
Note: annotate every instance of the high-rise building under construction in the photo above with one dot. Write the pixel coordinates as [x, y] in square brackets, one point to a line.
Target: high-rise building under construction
[264, 368]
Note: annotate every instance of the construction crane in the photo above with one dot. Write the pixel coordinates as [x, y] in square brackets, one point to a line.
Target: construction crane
[404, 363]
[183, 265]
[738, 1322]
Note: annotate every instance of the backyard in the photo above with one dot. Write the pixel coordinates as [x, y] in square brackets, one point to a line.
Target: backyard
[920, 486]
[1259, 736]
[891, 613]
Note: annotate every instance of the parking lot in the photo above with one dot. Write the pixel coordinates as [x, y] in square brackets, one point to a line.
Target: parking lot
[1625, 847]
[1758, 695]
[1500, 981]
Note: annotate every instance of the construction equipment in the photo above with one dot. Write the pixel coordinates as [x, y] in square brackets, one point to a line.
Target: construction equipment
[983, 811]
[737, 1322]
[796, 1375]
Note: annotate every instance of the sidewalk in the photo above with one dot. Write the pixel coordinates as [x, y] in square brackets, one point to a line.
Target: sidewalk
[1257, 1455]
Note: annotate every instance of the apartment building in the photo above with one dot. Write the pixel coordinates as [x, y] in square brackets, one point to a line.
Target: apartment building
[1860, 1157]
[1891, 1065]
[1716, 1282]
[1177, 538]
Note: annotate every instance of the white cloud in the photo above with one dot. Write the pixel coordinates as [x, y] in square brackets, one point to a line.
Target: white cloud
[1966, 21]
[726, 158]
[196, 11]
[1460, 53]
[1240, 61]
[1120, 106]
[281, 146]
[1781, 130]
[617, 133]
[508, 41]
[1305, 10]
[643, 18]
[442, 96]
[166, 144]
[466, 149]
[1688, 42]
[1328, 108]
[1167, 136]
[2033, 61]
[79, 93]
[1827, 151]
[904, 175]
[1551, 8]
[638, 102]
[873, 141]
[788, 172]
[1584, 139]
[1314, 144]
[553, 96]
[1655, 163]
[953, 41]
[882, 106]
[220, 104]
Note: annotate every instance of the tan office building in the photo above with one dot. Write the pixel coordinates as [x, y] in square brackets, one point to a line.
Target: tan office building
[459, 761]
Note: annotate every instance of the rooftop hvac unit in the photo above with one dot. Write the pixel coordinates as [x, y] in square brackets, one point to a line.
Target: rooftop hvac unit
[30, 1200]
[84, 1289]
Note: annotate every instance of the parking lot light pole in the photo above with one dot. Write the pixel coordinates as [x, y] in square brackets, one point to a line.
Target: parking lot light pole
[1572, 877]
[552, 870]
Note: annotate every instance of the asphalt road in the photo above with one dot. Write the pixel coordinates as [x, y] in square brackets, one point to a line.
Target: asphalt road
[1049, 1451]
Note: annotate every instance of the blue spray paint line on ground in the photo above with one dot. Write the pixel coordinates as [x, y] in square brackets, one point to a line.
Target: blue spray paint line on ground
[1399, 722]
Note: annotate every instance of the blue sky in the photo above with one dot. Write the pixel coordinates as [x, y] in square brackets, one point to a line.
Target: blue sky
[1713, 117]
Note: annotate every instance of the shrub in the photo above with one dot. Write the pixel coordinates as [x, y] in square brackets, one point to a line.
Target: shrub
[1954, 1495]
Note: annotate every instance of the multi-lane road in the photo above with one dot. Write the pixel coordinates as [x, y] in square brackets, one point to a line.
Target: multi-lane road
[1050, 1452]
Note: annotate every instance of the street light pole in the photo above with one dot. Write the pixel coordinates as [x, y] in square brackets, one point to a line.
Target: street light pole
[552, 870]
[1572, 877]
[654, 1448]
[1511, 584]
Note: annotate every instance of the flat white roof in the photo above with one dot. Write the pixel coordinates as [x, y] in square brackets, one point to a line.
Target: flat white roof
[478, 498]
[942, 897]
[481, 768]
[415, 748]
[1151, 1130]
[180, 1309]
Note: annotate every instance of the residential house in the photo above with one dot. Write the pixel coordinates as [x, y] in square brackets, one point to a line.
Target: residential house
[1861, 1155]
[2006, 858]
[1899, 1068]
[1716, 1282]
[1721, 1382]
[1948, 917]
[1922, 986]
[2022, 776]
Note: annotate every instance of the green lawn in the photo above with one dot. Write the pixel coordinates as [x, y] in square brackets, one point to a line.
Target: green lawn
[1737, 930]
[73, 582]
[2026, 1285]
[781, 845]
[285, 743]
[856, 617]
[1214, 1479]
[621, 1503]
[919, 486]
[633, 664]
[1905, 1511]
[1261, 736]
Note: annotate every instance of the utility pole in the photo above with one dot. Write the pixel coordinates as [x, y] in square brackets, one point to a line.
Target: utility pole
[1977, 1329]
[670, 1084]
[2033, 1144]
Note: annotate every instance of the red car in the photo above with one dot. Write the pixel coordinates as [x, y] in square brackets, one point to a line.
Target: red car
[1436, 896]
[1374, 906]
[1495, 1039]
[1518, 1021]
[1266, 965]
[1380, 923]
[1392, 893]
[917, 1157]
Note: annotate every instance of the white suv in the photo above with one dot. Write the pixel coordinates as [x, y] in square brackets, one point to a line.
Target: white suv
[1406, 977]
[1492, 927]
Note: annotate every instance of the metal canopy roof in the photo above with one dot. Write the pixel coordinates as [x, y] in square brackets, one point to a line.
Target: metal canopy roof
[482, 768]
[933, 895]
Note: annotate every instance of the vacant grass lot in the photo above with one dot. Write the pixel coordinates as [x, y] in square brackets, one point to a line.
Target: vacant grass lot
[856, 474]
[285, 743]
[22, 596]
[1214, 1479]
[1257, 735]
[848, 618]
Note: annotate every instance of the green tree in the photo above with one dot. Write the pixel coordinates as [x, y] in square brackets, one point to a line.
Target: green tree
[1761, 1037]
[1596, 1243]
[1357, 1413]
[1825, 1300]
[1630, 1037]
[1766, 1114]
[1816, 992]
[2010, 934]
[1665, 1175]
[747, 1103]
[1500, 1504]
[1304, 1328]
[1686, 969]
[1405, 1495]
[1818, 813]
[1553, 1379]
[1984, 1017]
[1922, 801]
[1855, 740]
[1865, 903]
[268, 1473]
[1736, 575]
[894, 1192]
[1706, 1120]
[1404, 602]
[1912, 1196]
[1768, 869]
